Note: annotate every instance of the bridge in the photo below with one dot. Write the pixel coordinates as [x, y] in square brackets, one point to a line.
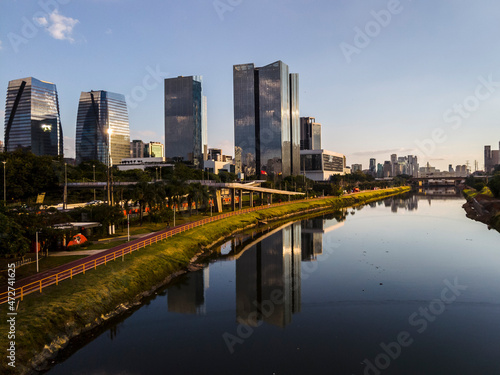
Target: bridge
[437, 181]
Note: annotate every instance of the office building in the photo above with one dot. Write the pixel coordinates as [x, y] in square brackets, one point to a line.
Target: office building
[373, 167]
[266, 119]
[320, 165]
[137, 149]
[491, 159]
[185, 120]
[356, 168]
[215, 154]
[154, 150]
[310, 134]
[1, 146]
[32, 119]
[102, 128]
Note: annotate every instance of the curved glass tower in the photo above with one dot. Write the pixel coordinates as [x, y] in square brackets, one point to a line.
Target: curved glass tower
[32, 119]
[102, 117]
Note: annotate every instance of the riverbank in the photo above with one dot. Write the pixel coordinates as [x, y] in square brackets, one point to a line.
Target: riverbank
[482, 206]
[46, 322]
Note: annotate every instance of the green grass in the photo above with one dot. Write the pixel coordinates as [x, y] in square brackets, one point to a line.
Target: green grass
[472, 193]
[74, 304]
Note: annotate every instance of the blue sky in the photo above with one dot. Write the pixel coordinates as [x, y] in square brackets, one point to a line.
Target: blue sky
[383, 77]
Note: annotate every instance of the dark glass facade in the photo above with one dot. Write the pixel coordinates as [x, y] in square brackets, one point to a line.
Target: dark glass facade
[322, 161]
[32, 119]
[102, 117]
[185, 120]
[266, 118]
[310, 134]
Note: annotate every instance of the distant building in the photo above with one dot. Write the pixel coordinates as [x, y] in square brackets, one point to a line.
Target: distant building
[373, 167]
[310, 134]
[387, 169]
[356, 167]
[215, 154]
[380, 170]
[185, 120]
[214, 166]
[266, 119]
[450, 169]
[1, 146]
[137, 149]
[491, 159]
[32, 119]
[127, 164]
[320, 165]
[154, 150]
[102, 128]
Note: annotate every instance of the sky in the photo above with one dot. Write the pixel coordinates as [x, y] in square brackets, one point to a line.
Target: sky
[382, 77]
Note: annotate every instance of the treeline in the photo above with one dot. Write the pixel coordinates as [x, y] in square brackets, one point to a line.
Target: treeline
[493, 183]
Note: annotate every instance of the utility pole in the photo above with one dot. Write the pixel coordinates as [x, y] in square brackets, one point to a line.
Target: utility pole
[93, 169]
[65, 197]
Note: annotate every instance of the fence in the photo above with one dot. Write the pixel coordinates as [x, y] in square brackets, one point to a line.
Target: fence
[92, 264]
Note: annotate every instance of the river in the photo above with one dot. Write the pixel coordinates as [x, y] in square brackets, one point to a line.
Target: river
[406, 285]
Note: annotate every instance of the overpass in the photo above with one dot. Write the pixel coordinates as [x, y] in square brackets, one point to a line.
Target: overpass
[437, 181]
[235, 189]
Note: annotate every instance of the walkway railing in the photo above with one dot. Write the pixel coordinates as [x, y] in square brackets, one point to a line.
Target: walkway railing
[39, 285]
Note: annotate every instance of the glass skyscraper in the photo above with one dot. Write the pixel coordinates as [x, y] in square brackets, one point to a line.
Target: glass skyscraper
[32, 119]
[102, 117]
[266, 118]
[185, 120]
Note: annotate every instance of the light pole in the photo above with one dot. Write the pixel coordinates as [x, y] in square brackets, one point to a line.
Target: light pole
[4, 185]
[36, 250]
[156, 174]
[128, 227]
[65, 198]
[93, 170]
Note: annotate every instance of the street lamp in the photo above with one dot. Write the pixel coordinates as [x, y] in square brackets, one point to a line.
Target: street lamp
[93, 170]
[4, 185]
[65, 197]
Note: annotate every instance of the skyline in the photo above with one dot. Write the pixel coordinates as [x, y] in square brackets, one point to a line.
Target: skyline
[387, 76]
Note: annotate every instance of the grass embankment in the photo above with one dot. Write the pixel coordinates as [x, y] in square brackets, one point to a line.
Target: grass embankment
[77, 305]
[472, 193]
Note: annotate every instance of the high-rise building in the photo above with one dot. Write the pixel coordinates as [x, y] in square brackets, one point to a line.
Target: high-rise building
[1, 146]
[185, 120]
[491, 158]
[356, 168]
[32, 119]
[215, 154]
[266, 119]
[310, 134]
[373, 167]
[137, 148]
[154, 150]
[102, 128]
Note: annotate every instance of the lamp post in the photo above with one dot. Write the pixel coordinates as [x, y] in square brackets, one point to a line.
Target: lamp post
[36, 250]
[65, 197]
[93, 170]
[4, 185]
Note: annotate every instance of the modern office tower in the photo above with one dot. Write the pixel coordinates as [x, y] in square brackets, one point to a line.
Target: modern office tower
[137, 149]
[102, 121]
[450, 169]
[266, 119]
[387, 168]
[380, 170]
[154, 150]
[270, 267]
[188, 296]
[413, 165]
[394, 162]
[185, 120]
[373, 167]
[491, 158]
[487, 158]
[32, 119]
[310, 134]
[356, 168]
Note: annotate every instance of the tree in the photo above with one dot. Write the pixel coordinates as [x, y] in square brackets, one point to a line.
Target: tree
[13, 242]
[494, 185]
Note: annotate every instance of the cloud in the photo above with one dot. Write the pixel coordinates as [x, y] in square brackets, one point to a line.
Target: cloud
[58, 26]
[108, 31]
[387, 152]
[1, 45]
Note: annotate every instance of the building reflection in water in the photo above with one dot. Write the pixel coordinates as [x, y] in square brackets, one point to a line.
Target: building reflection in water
[188, 296]
[268, 278]
[313, 231]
